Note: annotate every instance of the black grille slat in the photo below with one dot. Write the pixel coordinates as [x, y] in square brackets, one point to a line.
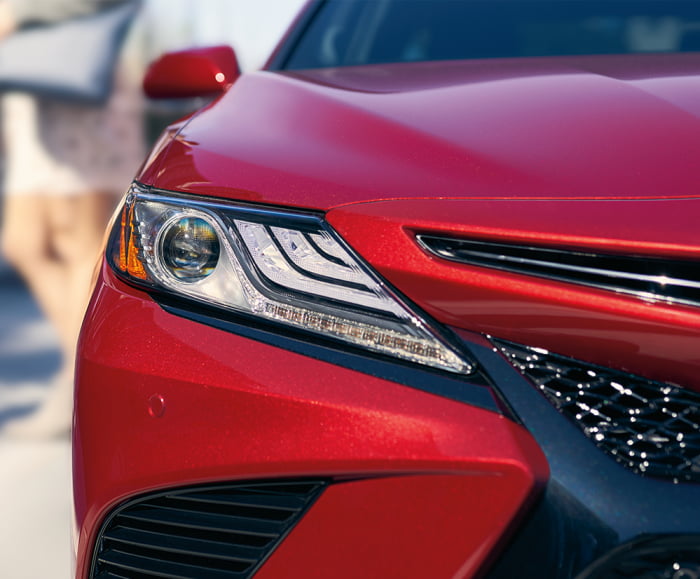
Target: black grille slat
[271, 502]
[151, 567]
[203, 521]
[650, 427]
[647, 277]
[184, 545]
[223, 531]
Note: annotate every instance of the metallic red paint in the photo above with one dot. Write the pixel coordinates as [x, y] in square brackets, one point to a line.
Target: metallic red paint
[524, 131]
[192, 73]
[651, 339]
[364, 528]
[240, 409]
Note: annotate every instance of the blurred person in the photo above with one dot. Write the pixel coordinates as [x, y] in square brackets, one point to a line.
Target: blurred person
[66, 164]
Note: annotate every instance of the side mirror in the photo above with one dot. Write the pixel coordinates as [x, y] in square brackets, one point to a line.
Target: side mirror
[197, 72]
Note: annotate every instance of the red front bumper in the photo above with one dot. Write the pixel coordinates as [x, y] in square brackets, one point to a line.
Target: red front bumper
[423, 486]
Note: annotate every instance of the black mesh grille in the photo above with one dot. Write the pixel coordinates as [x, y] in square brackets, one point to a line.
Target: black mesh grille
[209, 532]
[650, 427]
[648, 277]
[670, 557]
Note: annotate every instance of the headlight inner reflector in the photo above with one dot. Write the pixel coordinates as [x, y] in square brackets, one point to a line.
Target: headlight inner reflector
[189, 248]
[287, 268]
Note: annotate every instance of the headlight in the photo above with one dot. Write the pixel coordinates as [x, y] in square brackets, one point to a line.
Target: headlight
[285, 267]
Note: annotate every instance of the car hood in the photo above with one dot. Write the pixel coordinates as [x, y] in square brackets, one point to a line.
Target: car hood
[587, 128]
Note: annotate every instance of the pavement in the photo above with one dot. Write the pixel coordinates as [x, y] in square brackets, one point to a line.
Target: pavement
[35, 477]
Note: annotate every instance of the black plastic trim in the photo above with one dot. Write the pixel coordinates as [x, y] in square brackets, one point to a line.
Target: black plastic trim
[225, 538]
[650, 427]
[650, 557]
[592, 503]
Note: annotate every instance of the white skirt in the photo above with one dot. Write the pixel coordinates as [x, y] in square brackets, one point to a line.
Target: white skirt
[60, 148]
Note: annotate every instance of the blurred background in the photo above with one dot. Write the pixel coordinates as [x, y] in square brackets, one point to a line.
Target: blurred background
[35, 485]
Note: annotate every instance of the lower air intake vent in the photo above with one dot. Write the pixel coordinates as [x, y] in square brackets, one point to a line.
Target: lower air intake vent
[207, 532]
[650, 427]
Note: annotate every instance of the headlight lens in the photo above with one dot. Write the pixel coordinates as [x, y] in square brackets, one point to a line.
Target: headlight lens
[285, 267]
[189, 248]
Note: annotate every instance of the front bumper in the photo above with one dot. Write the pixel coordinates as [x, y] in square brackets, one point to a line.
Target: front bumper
[426, 477]
[419, 484]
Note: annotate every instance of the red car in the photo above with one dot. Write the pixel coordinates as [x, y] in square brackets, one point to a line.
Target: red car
[419, 299]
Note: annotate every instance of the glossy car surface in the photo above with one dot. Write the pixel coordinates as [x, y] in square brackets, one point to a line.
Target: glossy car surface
[382, 312]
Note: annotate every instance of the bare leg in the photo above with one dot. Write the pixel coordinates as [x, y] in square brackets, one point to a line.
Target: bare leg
[53, 242]
[26, 245]
[77, 232]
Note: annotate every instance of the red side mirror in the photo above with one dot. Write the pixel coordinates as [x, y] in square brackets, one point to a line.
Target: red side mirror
[192, 73]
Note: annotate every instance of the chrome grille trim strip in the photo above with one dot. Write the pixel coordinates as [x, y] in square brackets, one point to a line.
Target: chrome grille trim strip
[647, 277]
